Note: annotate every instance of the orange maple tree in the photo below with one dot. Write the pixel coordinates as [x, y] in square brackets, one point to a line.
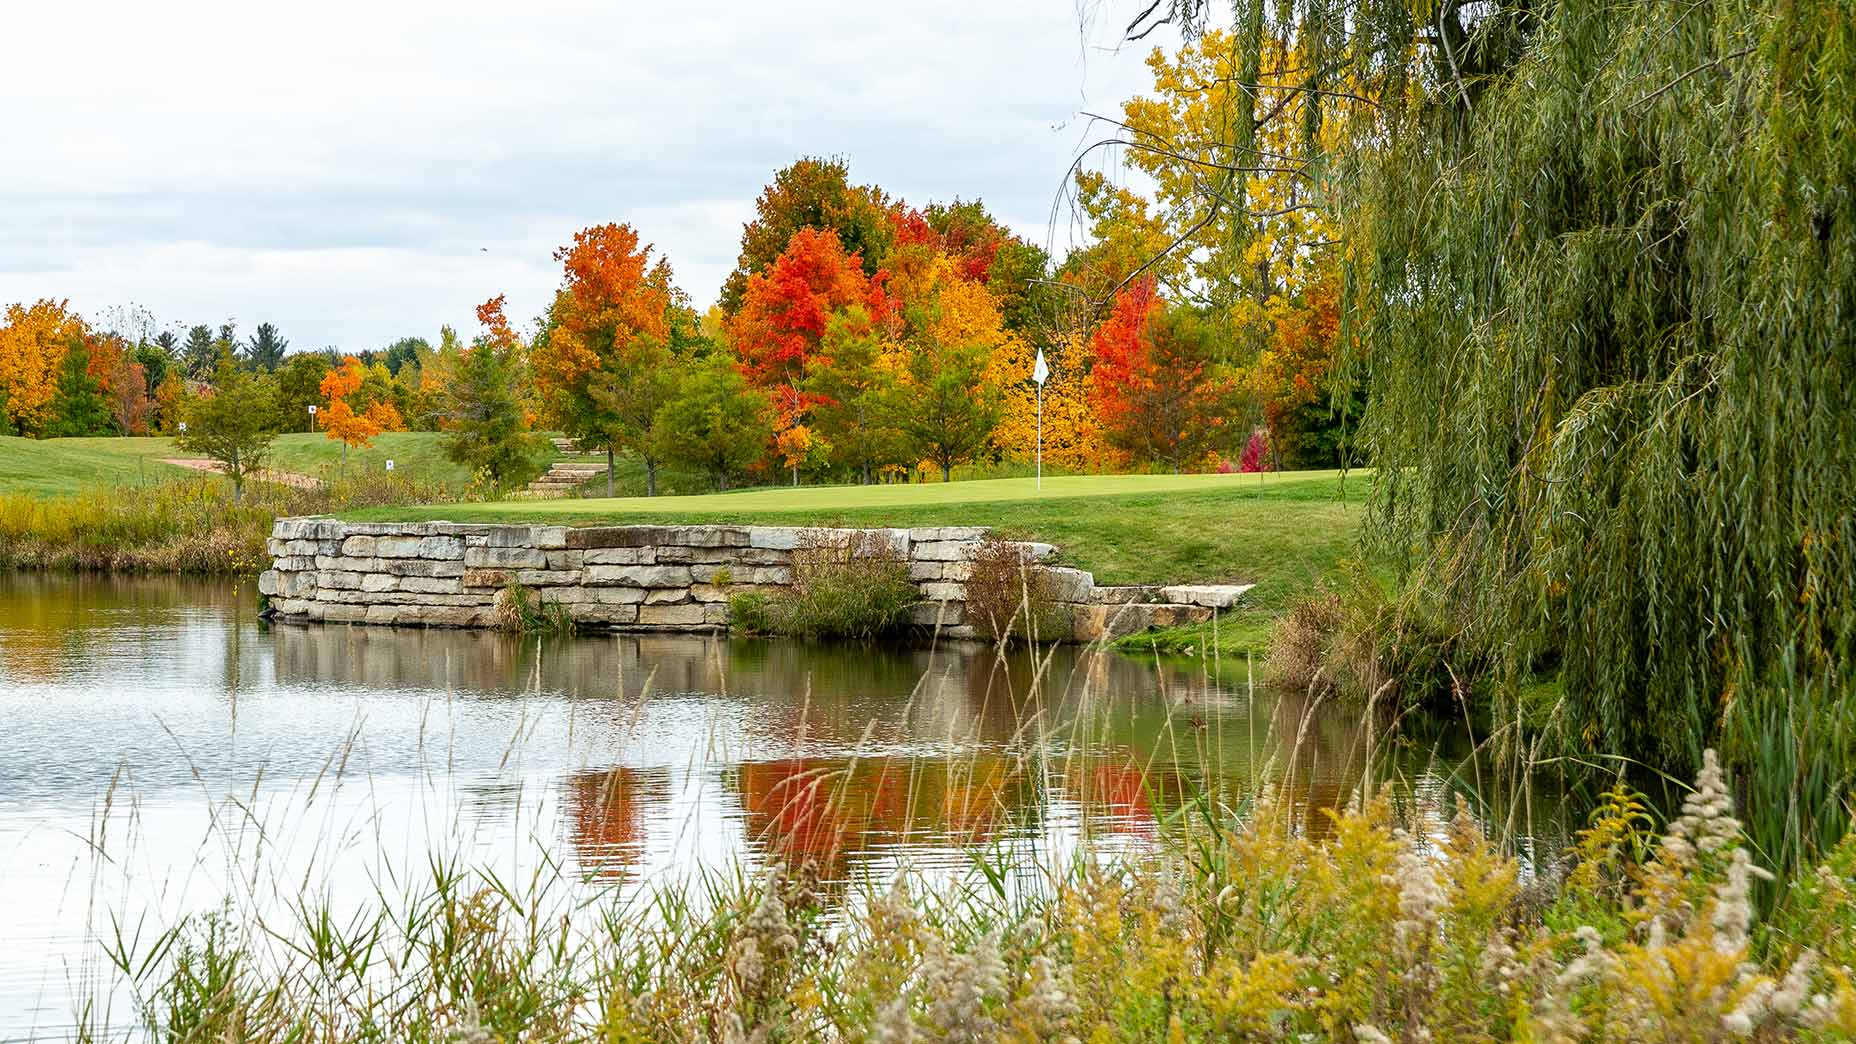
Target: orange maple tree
[1159, 393]
[341, 420]
[781, 324]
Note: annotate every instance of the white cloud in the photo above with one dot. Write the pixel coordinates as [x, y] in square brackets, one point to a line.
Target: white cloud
[358, 171]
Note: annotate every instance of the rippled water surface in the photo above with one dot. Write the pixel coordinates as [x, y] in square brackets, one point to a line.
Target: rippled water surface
[161, 750]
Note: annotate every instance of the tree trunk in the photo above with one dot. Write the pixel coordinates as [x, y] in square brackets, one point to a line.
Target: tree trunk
[866, 473]
[947, 471]
[650, 476]
[721, 481]
[608, 471]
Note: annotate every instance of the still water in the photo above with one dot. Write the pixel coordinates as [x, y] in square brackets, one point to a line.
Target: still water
[161, 751]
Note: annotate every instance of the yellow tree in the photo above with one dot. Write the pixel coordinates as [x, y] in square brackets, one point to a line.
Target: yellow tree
[33, 342]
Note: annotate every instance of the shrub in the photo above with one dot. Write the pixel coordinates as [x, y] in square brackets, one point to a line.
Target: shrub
[846, 584]
[519, 610]
[1008, 595]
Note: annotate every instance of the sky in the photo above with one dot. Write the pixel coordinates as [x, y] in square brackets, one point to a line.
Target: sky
[357, 172]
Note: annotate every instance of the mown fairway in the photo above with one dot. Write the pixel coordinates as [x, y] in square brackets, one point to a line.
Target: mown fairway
[1279, 531]
[56, 467]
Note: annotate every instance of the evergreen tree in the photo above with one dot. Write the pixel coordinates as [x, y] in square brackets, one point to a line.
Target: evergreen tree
[265, 349]
[197, 354]
[232, 424]
[486, 426]
[78, 407]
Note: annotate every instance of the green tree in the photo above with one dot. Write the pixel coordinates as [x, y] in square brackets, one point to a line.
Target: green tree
[858, 396]
[951, 407]
[232, 425]
[486, 426]
[265, 350]
[629, 389]
[78, 407]
[716, 421]
[198, 356]
[299, 386]
[405, 351]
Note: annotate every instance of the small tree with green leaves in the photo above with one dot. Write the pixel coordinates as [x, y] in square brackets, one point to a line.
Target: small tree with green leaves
[233, 424]
[486, 428]
[78, 407]
[716, 421]
[951, 409]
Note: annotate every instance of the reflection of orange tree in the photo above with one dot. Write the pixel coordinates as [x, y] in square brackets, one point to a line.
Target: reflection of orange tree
[826, 809]
[608, 810]
[1119, 793]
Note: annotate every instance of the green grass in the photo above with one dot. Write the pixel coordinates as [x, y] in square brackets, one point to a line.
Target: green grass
[58, 467]
[1280, 532]
[61, 467]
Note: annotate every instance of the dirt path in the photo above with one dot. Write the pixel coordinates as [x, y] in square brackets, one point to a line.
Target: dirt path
[286, 478]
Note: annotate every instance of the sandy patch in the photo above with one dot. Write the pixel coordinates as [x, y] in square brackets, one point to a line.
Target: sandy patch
[284, 478]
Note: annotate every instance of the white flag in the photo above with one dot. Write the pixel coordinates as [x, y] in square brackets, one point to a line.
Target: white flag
[1040, 371]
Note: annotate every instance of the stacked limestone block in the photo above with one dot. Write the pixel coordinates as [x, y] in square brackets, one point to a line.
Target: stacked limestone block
[659, 578]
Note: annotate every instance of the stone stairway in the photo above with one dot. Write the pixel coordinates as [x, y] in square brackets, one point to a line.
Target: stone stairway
[564, 476]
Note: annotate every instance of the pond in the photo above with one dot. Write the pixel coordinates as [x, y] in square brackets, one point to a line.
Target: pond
[161, 749]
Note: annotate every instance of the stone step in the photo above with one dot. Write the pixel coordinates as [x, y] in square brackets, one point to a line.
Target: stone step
[1211, 596]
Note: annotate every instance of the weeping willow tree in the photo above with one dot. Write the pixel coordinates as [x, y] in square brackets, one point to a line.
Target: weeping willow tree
[1601, 266]
[1605, 307]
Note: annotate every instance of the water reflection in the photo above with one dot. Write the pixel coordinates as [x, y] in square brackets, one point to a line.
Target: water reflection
[160, 710]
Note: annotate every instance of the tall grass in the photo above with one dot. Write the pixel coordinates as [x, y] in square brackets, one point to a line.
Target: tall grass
[1245, 916]
[190, 526]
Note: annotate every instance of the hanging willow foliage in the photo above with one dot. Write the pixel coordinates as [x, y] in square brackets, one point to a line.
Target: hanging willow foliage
[1603, 302]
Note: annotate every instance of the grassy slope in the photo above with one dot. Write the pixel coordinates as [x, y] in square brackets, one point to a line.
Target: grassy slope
[54, 467]
[1281, 532]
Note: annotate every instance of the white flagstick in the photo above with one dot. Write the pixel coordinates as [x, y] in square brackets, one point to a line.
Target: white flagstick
[1040, 373]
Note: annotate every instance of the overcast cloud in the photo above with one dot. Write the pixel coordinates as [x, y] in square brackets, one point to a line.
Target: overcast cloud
[359, 171]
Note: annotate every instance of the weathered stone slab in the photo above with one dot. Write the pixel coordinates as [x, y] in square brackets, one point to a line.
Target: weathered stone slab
[1123, 595]
[920, 571]
[505, 558]
[774, 538]
[687, 615]
[1035, 551]
[1212, 596]
[592, 537]
[615, 595]
[944, 592]
[708, 593]
[422, 567]
[707, 536]
[432, 584]
[945, 533]
[619, 556]
[548, 577]
[1066, 585]
[291, 607]
[338, 579]
[639, 576]
[565, 559]
[602, 613]
[941, 551]
[496, 578]
[943, 614]
[373, 582]
[667, 596]
[359, 546]
[269, 584]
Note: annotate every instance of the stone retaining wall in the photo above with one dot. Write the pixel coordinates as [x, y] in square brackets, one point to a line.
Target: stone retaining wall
[653, 578]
